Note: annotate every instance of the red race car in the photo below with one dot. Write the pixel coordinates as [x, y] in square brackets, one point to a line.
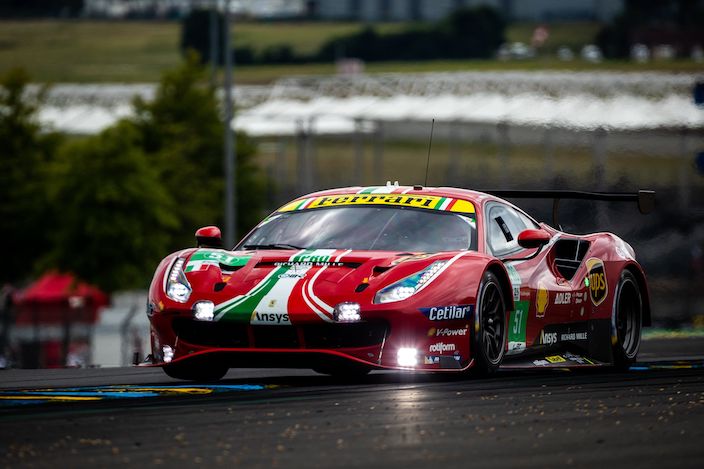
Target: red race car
[395, 277]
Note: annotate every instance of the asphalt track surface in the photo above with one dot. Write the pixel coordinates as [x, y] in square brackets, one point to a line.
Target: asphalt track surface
[651, 416]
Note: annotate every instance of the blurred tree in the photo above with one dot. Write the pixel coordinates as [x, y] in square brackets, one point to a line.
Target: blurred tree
[466, 33]
[40, 8]
[24, 156]
[195, 34]
[182, 133]
[679, 23]
[473, 32]
[115, 215]
[108, 207]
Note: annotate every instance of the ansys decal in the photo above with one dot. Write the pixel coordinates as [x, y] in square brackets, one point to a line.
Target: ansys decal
[268, 301]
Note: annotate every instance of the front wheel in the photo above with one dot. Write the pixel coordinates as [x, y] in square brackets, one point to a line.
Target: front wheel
[627, 321]
[488, 344]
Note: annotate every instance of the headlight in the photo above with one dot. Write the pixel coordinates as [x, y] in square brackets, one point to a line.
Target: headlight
[410, 285]
[177, 286]
[407, 357]
[204, 310]
[347, 312]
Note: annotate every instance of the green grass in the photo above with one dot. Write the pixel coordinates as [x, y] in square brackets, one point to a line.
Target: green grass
[76, 51]
[303, 38]
[131, 51]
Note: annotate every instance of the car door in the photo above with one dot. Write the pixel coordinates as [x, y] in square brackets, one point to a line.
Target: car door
[541, 299]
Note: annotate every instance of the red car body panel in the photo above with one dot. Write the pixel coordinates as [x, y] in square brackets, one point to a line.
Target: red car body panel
[274, 307]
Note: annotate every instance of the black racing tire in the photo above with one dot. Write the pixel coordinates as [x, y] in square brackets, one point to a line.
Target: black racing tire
[488, 337]
[196, 371]
[347, 370]
[627, 321]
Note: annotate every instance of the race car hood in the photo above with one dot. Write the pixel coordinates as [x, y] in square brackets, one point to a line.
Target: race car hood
[288, 286]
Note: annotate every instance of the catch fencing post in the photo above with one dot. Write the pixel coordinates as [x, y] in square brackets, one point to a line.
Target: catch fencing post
[358, 153]
[379, 153]
[504, 148]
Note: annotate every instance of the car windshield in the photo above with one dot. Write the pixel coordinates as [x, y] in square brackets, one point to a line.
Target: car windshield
[365, 228]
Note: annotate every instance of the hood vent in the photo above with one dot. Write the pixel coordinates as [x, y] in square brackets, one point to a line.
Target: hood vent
[229, 268]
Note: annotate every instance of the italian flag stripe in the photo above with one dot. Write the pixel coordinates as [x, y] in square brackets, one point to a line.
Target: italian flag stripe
[439, 204]
[368, 190]
[303, 203]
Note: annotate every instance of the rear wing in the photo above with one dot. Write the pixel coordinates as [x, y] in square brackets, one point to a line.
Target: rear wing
[644, 198]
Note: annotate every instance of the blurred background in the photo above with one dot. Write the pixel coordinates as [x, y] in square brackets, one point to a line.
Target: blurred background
[114, 124]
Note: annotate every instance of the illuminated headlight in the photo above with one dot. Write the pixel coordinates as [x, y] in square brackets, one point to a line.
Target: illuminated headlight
[410, 285]
[204, 310]
[168, 353]
[347, 312]
[177, 286]
[407, 357]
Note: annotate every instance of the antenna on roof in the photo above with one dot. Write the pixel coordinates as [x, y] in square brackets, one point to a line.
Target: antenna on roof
[430, 144]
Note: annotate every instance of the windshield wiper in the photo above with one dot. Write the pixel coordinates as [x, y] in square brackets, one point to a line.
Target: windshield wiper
[271, 246]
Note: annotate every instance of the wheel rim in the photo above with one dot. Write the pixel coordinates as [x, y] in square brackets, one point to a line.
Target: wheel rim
[492, 319]
[628, 318]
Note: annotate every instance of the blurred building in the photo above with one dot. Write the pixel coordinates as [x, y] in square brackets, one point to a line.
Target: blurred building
[258, 9]
[362, 10]
[432, 10]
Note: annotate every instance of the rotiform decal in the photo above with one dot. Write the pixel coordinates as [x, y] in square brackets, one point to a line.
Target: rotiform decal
[598, 286]
[441, 347]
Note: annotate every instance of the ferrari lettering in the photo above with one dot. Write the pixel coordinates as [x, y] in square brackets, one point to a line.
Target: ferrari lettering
[441, 347]
[443, 313]
[416, 201]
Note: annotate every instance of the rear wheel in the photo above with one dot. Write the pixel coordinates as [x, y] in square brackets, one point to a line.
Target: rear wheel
[627, 321]
[489, 335]
[196, 371]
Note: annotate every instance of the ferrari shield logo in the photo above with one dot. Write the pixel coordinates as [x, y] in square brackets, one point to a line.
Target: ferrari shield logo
[541, 301]
[598, 287]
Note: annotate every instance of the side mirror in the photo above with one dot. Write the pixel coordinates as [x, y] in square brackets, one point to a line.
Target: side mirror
[530, 239]
[209, 237]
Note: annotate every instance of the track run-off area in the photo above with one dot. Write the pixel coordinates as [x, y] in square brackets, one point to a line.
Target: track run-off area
[651, 416]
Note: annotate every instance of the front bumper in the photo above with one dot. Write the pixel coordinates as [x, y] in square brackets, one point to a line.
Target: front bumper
[374, 343]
